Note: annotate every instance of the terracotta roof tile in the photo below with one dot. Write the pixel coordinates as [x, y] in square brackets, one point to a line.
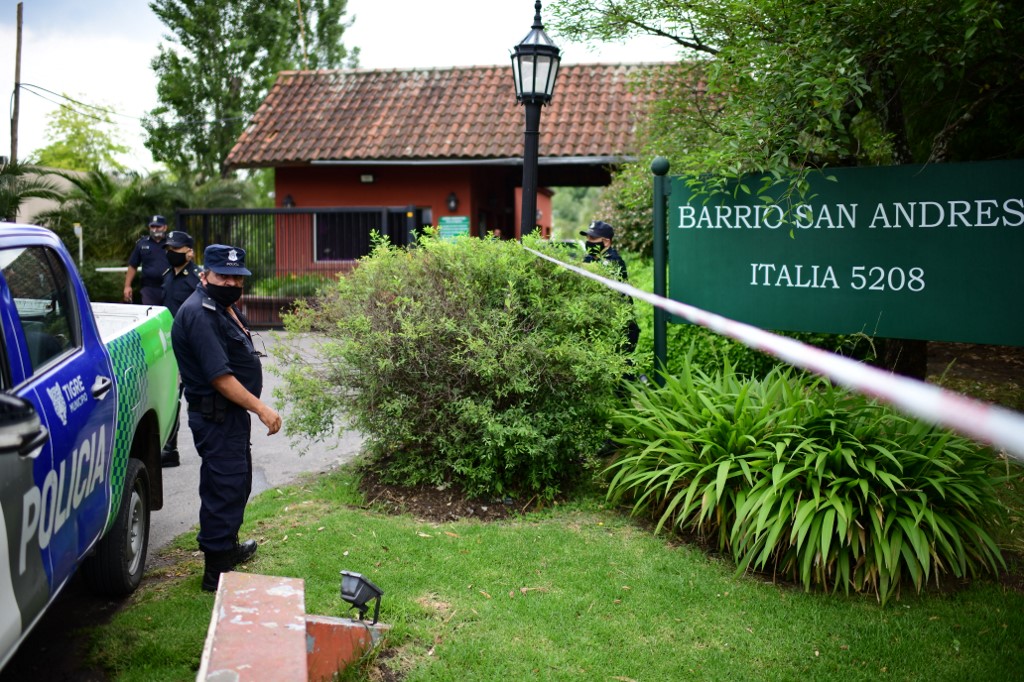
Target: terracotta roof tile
[434, 114]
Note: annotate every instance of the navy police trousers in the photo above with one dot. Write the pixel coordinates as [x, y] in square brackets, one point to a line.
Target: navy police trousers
[225, 476]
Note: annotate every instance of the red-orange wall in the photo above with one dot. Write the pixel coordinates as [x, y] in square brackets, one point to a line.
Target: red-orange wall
[489, 196]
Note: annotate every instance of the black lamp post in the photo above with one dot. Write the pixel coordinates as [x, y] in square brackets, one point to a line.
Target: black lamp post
[534, 67]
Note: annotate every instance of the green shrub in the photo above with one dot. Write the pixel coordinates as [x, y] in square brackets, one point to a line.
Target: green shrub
[467, 362]
[103, 287]
[289, 285]
[628, 204]
[791, 475]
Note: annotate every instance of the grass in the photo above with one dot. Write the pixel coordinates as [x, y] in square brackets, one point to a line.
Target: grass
[577, 592]
[1008, 393]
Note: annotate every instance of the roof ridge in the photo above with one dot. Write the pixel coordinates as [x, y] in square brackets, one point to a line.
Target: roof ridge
[464, 67]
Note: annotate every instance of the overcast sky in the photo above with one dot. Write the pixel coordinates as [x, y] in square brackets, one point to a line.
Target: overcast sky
[99, 52]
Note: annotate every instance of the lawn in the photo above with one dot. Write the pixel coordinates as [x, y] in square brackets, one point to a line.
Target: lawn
[573, 592]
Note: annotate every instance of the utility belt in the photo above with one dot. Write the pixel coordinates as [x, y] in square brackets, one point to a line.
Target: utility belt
[212, 407]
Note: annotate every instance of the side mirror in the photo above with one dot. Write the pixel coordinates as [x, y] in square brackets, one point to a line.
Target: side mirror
[20, 430]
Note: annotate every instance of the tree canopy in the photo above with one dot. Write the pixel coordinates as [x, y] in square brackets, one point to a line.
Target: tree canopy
[779, 87]
[80, 141]
[219, 61]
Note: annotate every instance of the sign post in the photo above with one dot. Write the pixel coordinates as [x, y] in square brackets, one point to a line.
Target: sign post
[78, 233]
[660, 168]
[454, 226]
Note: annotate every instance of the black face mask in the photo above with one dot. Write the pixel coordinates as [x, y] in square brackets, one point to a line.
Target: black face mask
[224, 295]
[176, 259]
[595, 248]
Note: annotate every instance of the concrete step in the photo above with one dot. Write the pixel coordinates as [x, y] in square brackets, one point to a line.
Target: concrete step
[259, 631]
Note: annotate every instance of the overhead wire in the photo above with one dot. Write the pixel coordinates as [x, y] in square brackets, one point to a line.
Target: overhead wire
[31, 89]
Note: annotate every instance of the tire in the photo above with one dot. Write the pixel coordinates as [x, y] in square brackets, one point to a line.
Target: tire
[116, 568]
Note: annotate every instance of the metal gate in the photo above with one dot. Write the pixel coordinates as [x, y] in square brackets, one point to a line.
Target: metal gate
[294, 251]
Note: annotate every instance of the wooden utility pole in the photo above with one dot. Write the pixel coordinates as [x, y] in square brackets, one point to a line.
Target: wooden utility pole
[17, 93]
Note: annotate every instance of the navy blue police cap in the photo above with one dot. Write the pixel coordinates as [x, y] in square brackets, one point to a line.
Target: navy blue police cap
[158, 221]
[225, 260]
[599, 228]
[178, 239]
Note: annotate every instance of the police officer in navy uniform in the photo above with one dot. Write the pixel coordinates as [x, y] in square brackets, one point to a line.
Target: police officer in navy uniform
[223, 381]
[181, 277]
[149, 257]
[180, 280]
[599, 249]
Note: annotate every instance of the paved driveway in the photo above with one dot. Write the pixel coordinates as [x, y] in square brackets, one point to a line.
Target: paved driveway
[275, 460]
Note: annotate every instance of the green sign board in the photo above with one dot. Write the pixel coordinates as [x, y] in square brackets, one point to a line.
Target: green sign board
[453, 226]
[921, 252]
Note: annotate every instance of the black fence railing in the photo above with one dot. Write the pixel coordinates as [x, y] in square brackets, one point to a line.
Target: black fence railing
[294, 251]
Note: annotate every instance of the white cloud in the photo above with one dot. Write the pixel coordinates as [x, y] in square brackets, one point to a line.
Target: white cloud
[101, 70]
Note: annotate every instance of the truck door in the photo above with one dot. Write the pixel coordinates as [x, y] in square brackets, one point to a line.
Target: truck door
[56, 500]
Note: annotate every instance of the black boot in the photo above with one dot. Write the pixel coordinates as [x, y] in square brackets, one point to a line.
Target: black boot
[216, 563]
[243, 552]
[169, 458]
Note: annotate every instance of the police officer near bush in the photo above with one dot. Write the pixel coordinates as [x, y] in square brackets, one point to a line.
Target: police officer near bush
[599, 249]
[223, 380]
[149, 257]
[180, 280]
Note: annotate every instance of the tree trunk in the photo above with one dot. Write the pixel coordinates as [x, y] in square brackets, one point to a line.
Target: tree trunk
[908, 357]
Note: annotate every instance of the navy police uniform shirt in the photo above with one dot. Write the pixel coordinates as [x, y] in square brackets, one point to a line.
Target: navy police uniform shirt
[150, 259]
[178, 286]
[208, 343]
[610, 255]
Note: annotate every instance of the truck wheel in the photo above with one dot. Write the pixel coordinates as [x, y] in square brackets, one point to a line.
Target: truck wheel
[116, 567]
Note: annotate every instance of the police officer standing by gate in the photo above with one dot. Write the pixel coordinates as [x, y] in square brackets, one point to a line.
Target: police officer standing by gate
[149, 257]
[223, 379]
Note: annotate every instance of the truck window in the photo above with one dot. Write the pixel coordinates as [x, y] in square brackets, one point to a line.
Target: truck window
[42, 294]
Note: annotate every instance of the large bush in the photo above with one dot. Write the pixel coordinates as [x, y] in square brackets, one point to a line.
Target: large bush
[793, 476]
[468, 362]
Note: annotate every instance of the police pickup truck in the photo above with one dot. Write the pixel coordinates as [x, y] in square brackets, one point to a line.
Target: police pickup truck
[88, 395]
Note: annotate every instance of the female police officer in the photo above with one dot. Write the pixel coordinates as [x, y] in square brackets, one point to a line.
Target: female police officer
[223, 380]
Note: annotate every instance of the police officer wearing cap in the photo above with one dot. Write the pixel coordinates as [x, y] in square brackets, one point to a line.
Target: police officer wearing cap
[149, 257]
[180, 280]
[182, 276]
[599, 248]
[223, 381]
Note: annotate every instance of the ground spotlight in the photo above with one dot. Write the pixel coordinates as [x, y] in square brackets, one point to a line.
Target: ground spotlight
[358, 590]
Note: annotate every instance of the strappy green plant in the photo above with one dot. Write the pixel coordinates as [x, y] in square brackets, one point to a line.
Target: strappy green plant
[793, 476]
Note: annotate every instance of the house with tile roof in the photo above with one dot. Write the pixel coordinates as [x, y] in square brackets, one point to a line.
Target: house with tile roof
[444, 145]
[356, 151]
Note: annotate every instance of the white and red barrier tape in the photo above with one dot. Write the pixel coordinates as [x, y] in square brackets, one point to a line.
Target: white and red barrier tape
[991, 424]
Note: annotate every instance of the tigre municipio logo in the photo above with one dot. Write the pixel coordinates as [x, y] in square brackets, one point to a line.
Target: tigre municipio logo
[59, 406]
